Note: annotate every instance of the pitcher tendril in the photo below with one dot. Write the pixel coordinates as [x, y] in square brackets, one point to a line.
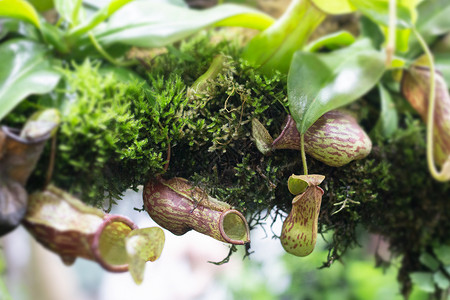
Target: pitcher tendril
[438, 175]
[106, 55]
[390, 45]
[302, 145]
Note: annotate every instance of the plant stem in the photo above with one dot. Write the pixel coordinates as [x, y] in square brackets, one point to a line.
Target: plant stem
[75, 13]
[440, 176]
[302, 145]
[391, 38]
[106, 54]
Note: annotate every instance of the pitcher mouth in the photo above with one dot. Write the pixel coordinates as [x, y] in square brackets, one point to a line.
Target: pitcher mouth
[14, 134]
[234, 228]
[112, 256]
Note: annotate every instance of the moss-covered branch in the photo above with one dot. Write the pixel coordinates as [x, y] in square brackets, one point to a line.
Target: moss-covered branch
[115, 135]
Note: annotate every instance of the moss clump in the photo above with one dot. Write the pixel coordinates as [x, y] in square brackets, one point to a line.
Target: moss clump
[116, 135]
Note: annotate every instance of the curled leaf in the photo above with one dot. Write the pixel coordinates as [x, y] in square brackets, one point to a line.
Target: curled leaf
[263, 140]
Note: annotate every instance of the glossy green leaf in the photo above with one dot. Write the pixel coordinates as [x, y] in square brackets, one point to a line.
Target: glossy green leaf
[402, 39]
[42, 5]
[429, 261]
[153, 24]
[372, 31]
[19, 9]
[273, 48]
[18, 27]
[442, 62]
[378, 11]
[397, 62]
[55, 37]
[388, 121]
[434, 17]
[443, 254]
[143, 245]
[318, 83]
[335, 7]
[433, 20]
[263, 139]
[100, 16]
[332, 41]
[441, 280]
[447, 269]
[423, 280]
[69, 10]
[25, 70]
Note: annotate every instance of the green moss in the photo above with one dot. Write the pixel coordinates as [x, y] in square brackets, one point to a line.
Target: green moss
[117, 135]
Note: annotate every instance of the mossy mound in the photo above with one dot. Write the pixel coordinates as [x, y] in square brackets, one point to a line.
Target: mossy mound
[117, 134]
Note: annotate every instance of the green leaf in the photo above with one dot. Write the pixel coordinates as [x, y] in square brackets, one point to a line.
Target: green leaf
[441, 280]
[447, 269]
[152, 24]
[54, 36]
[273, 48]
[429, 261]
[335, 7]
[263, 140]
[443, 254]
[42, 5]
[442, 62]
[331, 41]
[143, 245]
[100, 16]
[19, 9]
[318, 83]
[25, 70]
[423, 280]
[19, 28]
[370, 30]
[432, 21]
[378, 11]
[69, 10]
[388, 121]
[433, 17]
